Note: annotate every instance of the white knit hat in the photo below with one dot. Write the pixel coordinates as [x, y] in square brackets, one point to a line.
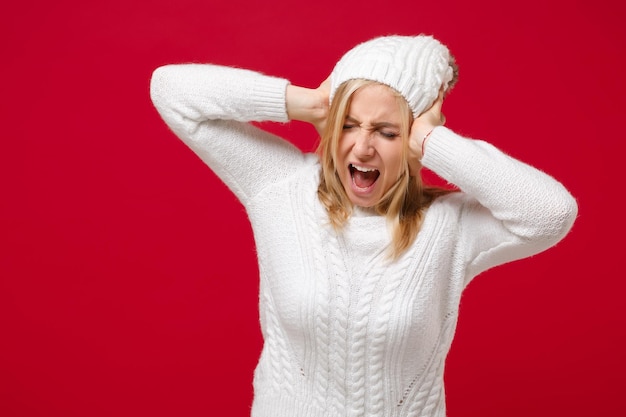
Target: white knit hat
[415, 66]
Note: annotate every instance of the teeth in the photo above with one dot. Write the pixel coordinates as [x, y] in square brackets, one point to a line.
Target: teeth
[363, 169]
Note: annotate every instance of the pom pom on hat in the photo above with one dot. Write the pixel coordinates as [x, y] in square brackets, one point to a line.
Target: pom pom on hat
[415, 66]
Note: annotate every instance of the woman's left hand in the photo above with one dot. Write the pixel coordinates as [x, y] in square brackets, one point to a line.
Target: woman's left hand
[420, 130]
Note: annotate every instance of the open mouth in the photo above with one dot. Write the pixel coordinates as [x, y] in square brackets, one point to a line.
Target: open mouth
[363, 177]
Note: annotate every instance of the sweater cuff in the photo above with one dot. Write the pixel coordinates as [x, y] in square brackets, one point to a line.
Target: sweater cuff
[444, 152]
[269, 99]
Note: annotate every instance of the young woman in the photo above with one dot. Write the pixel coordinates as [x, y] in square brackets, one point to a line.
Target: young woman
[361, 266]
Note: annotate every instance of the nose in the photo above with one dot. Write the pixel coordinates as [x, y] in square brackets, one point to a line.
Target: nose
[363, 147]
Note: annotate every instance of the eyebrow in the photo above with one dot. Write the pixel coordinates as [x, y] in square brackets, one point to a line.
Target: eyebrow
[376, 125]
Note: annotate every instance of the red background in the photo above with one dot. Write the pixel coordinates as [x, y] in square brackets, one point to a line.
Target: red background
[128, 276]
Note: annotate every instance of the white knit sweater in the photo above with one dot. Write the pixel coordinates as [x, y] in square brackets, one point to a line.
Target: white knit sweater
[346, 332]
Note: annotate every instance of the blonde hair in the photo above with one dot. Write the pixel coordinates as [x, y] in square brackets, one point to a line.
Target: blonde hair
[405, 201]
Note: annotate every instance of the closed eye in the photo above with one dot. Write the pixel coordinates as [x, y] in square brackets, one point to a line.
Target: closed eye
[388, 135]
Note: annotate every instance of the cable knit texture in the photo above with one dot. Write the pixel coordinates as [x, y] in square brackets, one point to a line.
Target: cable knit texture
[347, 332]
[415, 66]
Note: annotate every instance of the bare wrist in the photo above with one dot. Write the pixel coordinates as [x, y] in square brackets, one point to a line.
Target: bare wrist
[425, 139]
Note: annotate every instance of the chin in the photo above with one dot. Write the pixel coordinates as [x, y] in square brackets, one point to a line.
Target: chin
[362, 202]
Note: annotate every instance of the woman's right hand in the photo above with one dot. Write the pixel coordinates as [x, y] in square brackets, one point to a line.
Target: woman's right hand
[420, 130]
[309, 104]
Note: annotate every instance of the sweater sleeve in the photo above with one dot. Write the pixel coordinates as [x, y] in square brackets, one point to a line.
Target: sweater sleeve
[208, 107]
[511, 210]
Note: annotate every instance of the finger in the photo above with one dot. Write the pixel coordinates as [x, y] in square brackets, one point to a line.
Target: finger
[442, 92]
[439, 100]
[434, 110]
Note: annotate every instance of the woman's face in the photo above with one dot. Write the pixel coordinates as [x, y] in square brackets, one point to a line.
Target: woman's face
[369, 157]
